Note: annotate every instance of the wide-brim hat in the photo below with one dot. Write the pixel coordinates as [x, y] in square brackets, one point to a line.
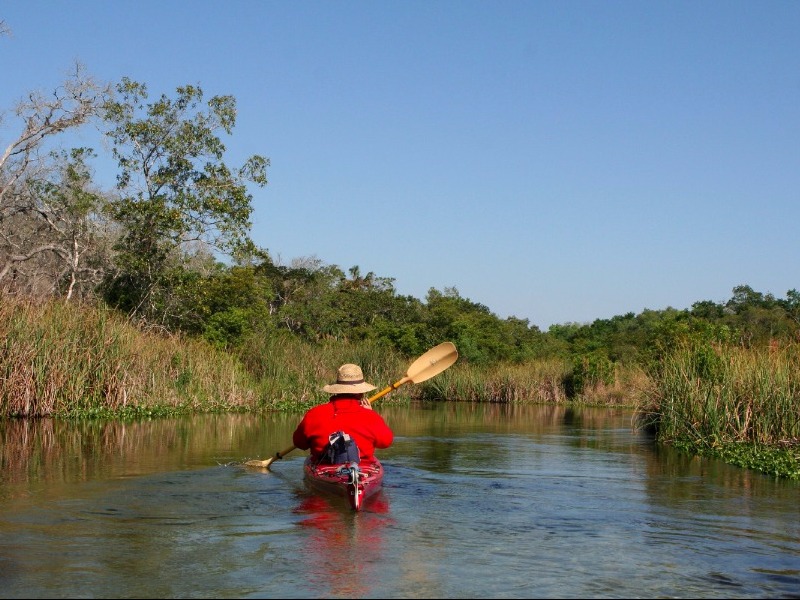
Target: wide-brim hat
[349, 380]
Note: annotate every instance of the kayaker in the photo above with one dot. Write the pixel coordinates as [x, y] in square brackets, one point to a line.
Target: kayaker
[347, 411]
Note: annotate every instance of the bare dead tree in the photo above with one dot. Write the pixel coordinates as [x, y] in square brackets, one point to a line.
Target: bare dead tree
[71, 105]
[58, 240]
[49, 216]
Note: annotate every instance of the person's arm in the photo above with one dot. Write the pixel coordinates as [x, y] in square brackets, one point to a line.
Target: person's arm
[299, 437]
[383, 433]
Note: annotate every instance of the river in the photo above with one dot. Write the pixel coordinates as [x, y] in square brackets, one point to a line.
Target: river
[479, 501]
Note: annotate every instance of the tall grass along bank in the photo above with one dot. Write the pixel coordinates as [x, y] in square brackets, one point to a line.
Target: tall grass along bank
[742, 405]
[62, 359]
[67, 360]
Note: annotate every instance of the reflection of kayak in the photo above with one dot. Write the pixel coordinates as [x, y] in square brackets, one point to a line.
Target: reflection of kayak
[356, 482]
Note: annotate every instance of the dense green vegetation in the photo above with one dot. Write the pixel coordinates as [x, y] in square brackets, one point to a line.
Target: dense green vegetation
[151, 298]
[736, 403]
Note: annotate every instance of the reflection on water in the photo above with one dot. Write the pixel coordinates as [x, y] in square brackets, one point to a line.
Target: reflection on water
[478, 501]
[54, 451]
[343, 549]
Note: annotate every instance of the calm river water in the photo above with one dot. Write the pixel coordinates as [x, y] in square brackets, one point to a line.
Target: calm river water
[479, 501]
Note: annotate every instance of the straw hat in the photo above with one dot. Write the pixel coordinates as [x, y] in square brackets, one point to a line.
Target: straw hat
[349, 380]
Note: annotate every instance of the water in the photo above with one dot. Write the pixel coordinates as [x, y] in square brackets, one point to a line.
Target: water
[478, 501]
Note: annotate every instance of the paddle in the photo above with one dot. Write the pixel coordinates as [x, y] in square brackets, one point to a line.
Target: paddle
[433, 362]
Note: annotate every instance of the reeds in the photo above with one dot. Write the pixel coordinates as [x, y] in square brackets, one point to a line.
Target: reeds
[711, 396]
[535, 382]
[64, 359]
[291, 372]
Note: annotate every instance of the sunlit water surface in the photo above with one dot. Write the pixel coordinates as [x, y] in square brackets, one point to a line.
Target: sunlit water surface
[479, 501]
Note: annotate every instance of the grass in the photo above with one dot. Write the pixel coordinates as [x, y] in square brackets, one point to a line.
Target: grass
[741, 405]
[76, 361]
[66, 360]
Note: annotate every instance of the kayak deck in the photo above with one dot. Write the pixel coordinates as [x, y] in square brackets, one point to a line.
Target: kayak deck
[355, 482]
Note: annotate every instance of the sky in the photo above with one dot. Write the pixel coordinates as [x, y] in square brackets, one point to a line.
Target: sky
[556, 161]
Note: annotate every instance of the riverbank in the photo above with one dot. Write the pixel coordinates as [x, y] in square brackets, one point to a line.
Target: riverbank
[78, 362]
[738, 404]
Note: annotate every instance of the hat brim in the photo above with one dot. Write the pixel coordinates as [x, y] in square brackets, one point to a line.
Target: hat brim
[348, 388]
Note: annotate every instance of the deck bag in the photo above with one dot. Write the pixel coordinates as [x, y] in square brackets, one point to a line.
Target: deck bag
[341, 449]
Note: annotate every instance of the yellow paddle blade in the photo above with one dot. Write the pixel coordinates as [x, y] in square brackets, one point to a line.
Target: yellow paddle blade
[264, 464]
[433, 362]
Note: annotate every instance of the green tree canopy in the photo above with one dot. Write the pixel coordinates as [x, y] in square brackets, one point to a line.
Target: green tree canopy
[174, 188]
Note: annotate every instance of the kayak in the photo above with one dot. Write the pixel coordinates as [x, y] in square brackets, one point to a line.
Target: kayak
[356, 482]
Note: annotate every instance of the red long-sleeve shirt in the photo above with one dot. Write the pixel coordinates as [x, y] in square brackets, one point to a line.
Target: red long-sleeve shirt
[343, 413]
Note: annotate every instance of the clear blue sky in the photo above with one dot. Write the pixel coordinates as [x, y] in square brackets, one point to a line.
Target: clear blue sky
[559, 161]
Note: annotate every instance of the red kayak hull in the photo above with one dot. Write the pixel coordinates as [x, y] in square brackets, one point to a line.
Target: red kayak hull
[356, 483]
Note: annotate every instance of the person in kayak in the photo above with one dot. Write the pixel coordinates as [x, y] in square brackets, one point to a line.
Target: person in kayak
[347, 411]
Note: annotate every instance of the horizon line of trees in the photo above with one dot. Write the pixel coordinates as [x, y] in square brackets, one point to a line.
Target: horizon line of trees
[148, 247]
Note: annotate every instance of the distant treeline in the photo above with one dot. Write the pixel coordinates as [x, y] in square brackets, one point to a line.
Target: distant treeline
[150, 248]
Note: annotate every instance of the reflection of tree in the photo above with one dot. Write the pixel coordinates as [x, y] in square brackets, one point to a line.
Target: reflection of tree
[446, 418]
[343, 546]
[452, 425]
[54, 451]
[439, 443]
[676, 479]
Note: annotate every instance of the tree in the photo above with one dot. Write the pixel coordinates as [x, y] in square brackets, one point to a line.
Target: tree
[45, 233]
[792, 305]
[708, 309]
[175, 189]
[57, 241]
[480, 335]
[744, 298]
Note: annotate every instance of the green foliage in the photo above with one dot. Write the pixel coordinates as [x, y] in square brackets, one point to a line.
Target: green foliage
[71, 360]
[533, 382]
[227, 328]
[480, 335]
[721, 376]
[592, 369]
[718, 395]
[706, 364]
[174, 189]
[178, 206]
[775, 461]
